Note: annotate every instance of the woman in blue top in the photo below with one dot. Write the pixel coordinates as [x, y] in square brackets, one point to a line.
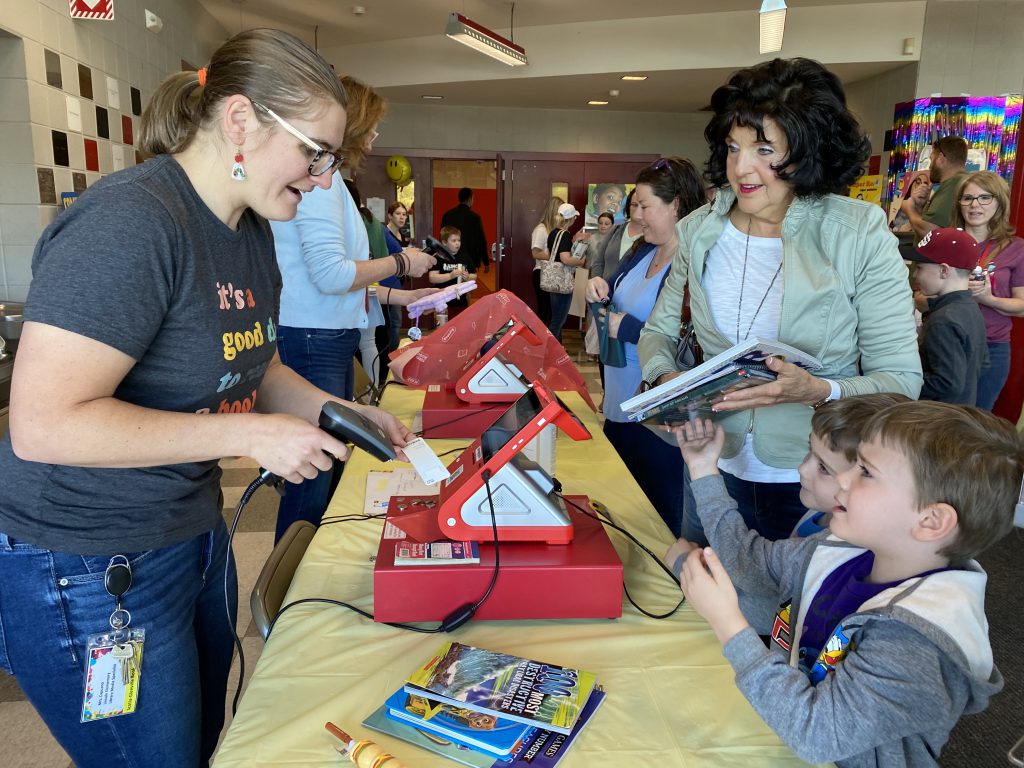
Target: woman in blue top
[665, 192]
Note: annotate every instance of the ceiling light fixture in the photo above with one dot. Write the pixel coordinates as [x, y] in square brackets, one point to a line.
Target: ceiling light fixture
[485, 41]
[597, 103]
[773, 25]
[430, 96]
[637, 78]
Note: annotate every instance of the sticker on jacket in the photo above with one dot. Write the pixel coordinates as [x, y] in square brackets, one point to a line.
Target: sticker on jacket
[833, 653]
[780, 628]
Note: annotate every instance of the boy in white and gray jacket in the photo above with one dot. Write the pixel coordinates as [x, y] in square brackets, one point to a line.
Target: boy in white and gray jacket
[881, 642]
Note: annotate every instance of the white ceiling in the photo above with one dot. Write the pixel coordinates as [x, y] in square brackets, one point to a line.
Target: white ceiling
[331, 24]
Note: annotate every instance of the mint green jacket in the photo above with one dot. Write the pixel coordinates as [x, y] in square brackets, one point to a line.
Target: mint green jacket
[846, 300]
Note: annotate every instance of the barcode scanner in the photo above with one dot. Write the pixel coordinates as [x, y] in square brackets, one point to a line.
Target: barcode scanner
[348, 426]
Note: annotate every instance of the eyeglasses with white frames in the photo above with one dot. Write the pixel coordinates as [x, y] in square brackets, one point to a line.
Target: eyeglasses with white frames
[324, 160]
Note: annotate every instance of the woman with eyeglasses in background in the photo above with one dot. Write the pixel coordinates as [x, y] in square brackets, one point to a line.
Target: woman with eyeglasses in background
[982, 209]
[665, 192]
[782, 254]
[324, 257]
[147, 355]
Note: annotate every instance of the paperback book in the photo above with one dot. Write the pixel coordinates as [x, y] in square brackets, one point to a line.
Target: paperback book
[739, 366]
[527, 691]
[436, 553]
[485, 732]
[541, 749]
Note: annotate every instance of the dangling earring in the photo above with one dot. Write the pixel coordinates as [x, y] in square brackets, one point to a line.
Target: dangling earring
[238, 170]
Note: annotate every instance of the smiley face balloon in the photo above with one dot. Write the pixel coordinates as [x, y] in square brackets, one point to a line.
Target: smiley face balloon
[398, 170]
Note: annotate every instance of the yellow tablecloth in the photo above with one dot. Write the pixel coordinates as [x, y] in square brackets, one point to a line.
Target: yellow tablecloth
[671, 700]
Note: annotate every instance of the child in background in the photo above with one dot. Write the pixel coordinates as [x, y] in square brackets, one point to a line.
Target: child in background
[953, 346]
[881, 643]
[452, 266]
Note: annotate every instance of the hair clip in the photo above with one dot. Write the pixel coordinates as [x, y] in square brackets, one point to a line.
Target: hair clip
[201, 74]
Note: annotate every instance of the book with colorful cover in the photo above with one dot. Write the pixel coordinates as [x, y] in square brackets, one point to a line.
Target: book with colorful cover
[698, 400]
[544, 749]
[528, 691]
[748, 355]
[486, 732]
[436, 553]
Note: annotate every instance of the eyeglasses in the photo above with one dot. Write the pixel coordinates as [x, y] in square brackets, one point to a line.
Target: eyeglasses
[967, 200]
[324, 160]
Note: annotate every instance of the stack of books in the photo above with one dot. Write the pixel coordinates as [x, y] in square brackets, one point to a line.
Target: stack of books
[693, 393]
[490, 710]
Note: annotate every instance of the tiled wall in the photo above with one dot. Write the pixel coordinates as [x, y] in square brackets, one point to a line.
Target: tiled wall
[71, 93]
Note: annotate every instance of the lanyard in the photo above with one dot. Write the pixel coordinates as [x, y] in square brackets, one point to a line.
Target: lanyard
[985, 258]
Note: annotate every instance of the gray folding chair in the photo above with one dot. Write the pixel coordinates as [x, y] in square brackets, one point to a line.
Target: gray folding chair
[276, 576]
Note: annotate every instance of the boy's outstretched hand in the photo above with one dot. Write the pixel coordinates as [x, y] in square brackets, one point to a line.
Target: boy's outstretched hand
[710, 591]
[678, 553]
[700, 442]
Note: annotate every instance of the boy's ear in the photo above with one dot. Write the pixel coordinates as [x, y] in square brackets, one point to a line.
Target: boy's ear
[935, 522]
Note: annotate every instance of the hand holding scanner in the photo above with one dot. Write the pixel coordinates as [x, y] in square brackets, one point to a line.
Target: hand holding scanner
[438, 302]
[350, 426]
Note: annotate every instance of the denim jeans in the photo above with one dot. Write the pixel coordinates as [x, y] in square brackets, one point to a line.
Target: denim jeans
[771, 509]
[323, 357]
[50, 602]
[992, 379]
[655, 465]
[560, 303]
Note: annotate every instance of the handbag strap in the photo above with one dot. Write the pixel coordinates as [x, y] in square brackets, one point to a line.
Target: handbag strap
[555, 244]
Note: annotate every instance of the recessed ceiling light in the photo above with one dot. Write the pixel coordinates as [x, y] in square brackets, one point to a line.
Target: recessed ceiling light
[634, 77]
[430, 96]
[597, 103]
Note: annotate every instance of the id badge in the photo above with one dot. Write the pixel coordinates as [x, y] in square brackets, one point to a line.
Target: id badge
[112, 674]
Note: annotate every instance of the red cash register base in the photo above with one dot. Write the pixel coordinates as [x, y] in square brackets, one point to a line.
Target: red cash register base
[555, 563]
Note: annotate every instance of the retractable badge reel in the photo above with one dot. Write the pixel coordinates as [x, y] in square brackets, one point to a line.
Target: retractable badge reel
[115, 657]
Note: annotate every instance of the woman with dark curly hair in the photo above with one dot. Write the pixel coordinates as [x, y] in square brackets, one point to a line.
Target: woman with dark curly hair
[780, 254]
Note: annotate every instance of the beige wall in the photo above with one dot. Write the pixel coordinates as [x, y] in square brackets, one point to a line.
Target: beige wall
[872, 100]
[972, 46]
[30, 109]
[543, 130]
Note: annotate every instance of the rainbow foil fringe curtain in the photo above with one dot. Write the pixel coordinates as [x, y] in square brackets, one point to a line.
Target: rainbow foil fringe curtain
[990, 124]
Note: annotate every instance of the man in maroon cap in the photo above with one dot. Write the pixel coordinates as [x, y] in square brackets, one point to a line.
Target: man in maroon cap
[953, 349]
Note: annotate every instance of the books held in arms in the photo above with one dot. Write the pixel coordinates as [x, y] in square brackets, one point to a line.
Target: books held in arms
[436, 553]
[539, 749]
[527, 691]
[695, 391]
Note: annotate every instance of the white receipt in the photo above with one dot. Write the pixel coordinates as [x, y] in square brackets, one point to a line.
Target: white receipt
[425, 461]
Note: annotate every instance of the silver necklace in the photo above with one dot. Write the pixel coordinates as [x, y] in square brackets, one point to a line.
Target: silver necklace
[743, 282]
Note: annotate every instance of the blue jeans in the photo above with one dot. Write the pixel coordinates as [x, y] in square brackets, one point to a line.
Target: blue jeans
[50, 602]
[771, 509]
[992, 379]
[560, 303]
[654, 464]
[323, 357]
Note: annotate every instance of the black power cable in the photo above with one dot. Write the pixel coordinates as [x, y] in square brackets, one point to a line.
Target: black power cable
[631, 537]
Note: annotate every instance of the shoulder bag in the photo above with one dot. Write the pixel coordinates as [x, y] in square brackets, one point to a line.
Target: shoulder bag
[556, 277]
